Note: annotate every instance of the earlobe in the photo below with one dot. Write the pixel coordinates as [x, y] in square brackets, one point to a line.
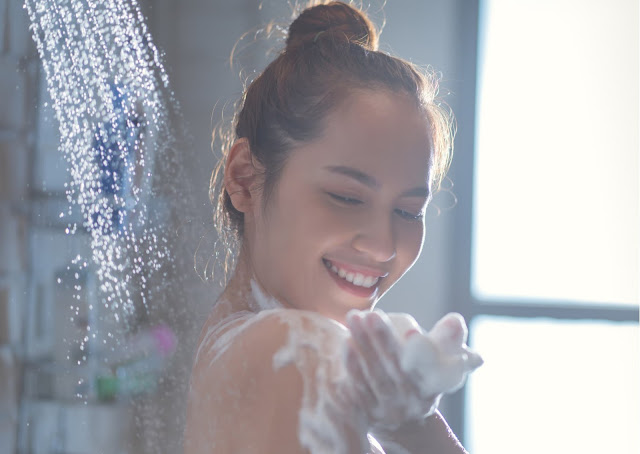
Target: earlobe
[240, 174]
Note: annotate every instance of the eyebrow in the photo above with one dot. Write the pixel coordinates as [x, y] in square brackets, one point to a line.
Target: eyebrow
[368, 180]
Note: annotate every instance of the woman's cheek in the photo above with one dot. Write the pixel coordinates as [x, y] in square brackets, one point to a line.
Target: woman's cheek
[411, 239]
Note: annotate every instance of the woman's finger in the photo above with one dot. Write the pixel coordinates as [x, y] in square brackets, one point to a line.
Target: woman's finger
[358, 381]
[378, 337]
[387, 346]
[384, 337]
[371, 358]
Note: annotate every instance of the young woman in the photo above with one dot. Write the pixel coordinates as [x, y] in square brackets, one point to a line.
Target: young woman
[338, 150]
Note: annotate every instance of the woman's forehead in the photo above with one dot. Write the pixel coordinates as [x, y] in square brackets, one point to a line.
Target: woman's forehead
[378, 125]
[382, 134]
[376, 118]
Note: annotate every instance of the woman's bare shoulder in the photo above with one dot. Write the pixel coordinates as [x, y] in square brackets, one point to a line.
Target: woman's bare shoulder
[248, 384]
[257, 337]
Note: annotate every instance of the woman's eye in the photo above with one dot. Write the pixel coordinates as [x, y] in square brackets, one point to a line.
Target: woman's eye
[410, 216]
[402, 213]
[347, 200]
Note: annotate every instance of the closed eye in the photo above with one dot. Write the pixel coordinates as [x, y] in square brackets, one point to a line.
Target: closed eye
[410, 216]
[402, 213]
[343, 199]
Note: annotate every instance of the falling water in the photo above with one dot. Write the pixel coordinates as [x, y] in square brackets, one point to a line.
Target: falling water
[112, 102]
[108, 90]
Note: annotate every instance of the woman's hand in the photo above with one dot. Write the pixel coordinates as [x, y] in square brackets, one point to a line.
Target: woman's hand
[399, 371]
[373, 358]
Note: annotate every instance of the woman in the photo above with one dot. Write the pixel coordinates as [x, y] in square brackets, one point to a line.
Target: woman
[338, 150]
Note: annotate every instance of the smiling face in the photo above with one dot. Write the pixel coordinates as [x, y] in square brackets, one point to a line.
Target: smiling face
[347, 206]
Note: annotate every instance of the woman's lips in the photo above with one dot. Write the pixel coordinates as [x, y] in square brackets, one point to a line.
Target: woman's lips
[364, 270]
[357, 290]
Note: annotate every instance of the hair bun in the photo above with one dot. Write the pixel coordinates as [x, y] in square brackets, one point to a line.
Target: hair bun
[338, 20]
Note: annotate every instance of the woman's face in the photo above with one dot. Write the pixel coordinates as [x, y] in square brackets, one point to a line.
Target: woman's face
[351, 201]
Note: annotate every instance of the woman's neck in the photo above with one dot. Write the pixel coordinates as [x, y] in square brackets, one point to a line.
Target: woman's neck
[237, 293]
[244, 293]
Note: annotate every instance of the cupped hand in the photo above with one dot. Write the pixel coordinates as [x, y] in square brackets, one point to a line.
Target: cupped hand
[390, 396]
[398, 370]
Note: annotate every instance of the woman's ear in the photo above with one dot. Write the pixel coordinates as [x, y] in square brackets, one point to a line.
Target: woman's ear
[240, 175]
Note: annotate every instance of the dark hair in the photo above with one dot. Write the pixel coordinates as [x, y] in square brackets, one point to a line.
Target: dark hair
[331, 51]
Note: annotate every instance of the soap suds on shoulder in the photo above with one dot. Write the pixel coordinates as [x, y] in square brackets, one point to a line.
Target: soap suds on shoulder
[314, 345]
[331, 418]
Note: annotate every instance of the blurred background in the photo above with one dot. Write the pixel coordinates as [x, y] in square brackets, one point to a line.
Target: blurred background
[535, 237]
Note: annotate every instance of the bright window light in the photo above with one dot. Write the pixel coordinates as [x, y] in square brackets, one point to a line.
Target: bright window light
[557, 192]
[550, 386]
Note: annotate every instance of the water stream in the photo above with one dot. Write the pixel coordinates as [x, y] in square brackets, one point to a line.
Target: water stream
[115, 114]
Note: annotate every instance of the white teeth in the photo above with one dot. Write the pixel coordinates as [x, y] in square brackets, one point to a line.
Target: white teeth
[368, 281]
[354, 278]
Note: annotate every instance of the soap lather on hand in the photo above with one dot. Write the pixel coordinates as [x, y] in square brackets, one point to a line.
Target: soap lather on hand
[397, 372]
[439, 360]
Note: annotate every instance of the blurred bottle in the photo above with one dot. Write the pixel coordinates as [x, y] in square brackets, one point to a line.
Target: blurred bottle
[159, 341]
[136, 367]
[116, 145]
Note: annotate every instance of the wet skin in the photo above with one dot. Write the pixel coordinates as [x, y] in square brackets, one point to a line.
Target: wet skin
[354, 198]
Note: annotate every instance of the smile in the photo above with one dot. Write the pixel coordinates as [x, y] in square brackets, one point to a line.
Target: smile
[357, 279]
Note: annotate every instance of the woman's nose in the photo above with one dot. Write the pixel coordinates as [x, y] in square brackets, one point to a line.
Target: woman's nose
[377, 240]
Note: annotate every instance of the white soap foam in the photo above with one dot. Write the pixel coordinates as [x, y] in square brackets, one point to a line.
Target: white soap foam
[430, 364]
[440, 357]
[316, 346]
[323, 418]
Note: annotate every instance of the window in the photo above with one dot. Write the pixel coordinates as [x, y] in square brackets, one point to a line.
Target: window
[552, 272]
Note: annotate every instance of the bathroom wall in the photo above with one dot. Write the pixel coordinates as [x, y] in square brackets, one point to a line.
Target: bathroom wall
[17, 65]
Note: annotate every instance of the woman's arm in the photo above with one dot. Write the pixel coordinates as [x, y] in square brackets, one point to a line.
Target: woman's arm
[240, 403]
[231, 405]
[429, 436]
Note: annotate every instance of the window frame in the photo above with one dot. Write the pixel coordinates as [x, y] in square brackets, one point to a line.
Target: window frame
[460, 296]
